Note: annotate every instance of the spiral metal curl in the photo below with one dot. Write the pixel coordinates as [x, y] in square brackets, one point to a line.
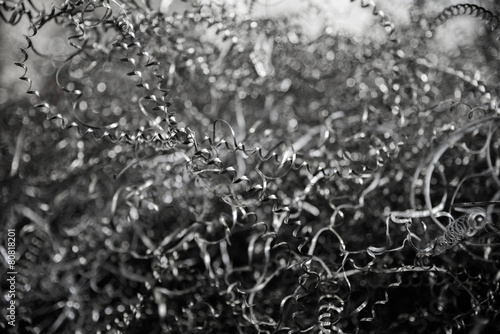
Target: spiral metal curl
[385, 20]
[461, 228]
[465, 9]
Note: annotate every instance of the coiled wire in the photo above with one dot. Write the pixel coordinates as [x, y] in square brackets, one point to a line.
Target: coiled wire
[461, 228]
[466, 9]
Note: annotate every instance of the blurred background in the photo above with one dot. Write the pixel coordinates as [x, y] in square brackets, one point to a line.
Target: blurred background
[346, 16]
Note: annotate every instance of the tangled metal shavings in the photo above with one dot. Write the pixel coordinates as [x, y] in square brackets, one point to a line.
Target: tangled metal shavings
[239, 177]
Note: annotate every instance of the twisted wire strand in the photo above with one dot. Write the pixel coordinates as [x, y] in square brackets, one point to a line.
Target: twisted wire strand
[461, 228]
[329, 314]
[464, 9]
[383, 301]
[126, 28]
[385, 20]
[18, 9]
